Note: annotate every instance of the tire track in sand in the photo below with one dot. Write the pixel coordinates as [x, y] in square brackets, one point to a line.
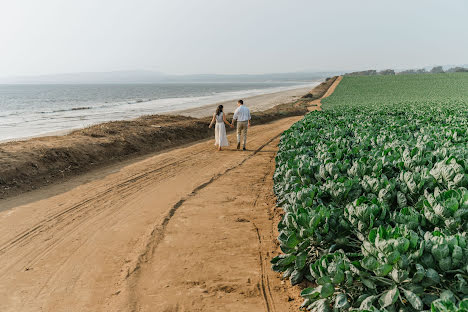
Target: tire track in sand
[158, 232]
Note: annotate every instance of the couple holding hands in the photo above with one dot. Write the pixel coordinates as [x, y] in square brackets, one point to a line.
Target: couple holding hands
[241, 114]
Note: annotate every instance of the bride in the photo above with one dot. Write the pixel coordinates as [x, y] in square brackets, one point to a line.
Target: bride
[220, 129]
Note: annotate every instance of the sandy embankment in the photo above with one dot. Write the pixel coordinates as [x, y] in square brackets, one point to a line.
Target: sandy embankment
[189, 229]
[28, 165]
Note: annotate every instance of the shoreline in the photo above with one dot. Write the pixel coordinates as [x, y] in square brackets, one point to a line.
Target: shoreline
[30, 164]
[256, 103]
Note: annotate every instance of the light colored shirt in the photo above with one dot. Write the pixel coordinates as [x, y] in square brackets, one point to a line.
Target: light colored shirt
[242, 113]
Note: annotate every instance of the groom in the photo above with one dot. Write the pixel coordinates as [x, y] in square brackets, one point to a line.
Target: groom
[242, 115]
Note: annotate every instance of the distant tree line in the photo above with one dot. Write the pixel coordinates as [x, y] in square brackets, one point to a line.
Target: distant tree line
[457, 70]
[434, 70]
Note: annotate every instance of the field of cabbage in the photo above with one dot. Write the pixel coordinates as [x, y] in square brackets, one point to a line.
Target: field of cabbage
[374, 190]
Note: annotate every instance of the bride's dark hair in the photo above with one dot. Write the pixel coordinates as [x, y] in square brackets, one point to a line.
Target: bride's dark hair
[219, 110]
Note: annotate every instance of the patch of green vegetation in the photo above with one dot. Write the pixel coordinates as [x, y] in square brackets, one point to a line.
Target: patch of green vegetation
[374, 190]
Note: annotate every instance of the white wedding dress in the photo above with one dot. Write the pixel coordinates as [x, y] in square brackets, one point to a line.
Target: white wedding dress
[220, 131]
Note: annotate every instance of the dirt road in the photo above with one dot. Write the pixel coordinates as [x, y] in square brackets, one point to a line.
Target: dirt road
[189, 229]
[317, 104]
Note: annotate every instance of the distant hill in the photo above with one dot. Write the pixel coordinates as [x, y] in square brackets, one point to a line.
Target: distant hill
[275, 77]
[126, 77]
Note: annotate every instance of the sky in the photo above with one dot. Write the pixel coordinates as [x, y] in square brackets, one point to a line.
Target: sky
[229, 37]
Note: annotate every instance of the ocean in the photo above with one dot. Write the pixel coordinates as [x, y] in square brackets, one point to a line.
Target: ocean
[34, 110]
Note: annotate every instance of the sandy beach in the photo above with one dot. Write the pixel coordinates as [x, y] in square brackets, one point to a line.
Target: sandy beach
[138, 235]
[255, 103]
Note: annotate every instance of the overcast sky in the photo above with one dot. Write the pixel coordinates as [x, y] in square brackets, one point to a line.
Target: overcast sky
[235, 36]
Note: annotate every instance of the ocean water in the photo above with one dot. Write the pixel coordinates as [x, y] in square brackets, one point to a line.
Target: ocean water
[33, 110]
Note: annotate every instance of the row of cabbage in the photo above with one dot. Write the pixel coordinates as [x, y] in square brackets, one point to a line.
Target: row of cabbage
[374, 190]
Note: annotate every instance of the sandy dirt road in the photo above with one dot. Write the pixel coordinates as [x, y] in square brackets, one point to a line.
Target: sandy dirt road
[317, 104]
[189, 229]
